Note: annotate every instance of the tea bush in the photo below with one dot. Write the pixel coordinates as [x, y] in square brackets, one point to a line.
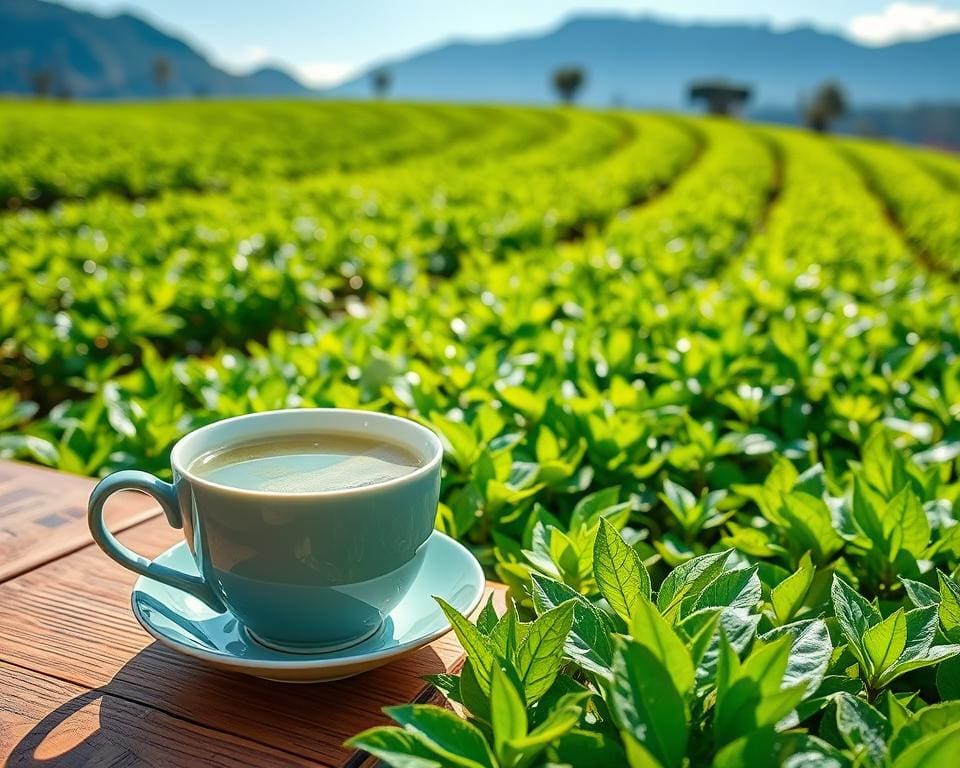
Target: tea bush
[697, 382]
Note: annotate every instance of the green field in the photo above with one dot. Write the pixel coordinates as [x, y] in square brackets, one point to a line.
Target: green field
[738, 344]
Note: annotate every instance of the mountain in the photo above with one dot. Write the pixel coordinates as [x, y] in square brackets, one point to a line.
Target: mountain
[634, 61]
[649, 62]
[63, 51]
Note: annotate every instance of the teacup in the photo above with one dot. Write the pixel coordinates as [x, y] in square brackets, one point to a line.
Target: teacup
[303, 572]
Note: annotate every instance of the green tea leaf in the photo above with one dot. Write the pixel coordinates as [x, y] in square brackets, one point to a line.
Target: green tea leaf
[523, 400]
[679, 501]
[809, 525]
[460, 443]
[588, 642]
[508, 634]
[448, 685]
[810, 653]
[855, 615]
[396, 747]
[934, 655]
[540, 654]
[646, 704]
[732, 589]
[936, 750]
[478, 647]
[811, 481]
[563, 716]
[920, 594]
[884, 642]
[620, 574]
[882, 464]
[948, 678]
[488, 618]
[638, 756]
[474, 698]
[895, 710]
[752, 695]
[582, 747]
[649, 628]
[867, 509]
[949, 609]
[455, 740]
[603, 503]
[779, 481]
[508, 715]
[921, 631]
[738, 629]
[905, 524]
[688, 579]
[755, 748]
[863, 728]
[928, 720]
[787, 597]
[700, 629]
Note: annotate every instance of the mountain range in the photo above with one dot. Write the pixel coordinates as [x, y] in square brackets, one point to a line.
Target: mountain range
[649, 62]
[70, 53]
[634, 61]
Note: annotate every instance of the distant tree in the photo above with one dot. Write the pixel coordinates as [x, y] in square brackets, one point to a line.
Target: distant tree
[381, 80]
[162, 71]
[828, 104]
[567, 82]
[41, 82]
[720, 97]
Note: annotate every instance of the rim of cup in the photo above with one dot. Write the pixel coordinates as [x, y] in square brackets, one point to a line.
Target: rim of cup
[180, 465]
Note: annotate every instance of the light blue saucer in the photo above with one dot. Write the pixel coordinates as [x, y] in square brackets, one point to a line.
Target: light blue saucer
[181, 622]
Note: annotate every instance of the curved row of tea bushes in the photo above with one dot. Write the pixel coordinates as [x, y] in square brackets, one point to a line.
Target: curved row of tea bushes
[55, 152]
[928, 212]
[195, 272]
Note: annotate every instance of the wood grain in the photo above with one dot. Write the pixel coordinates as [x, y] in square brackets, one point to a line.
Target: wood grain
[46, 722]
[43, 515]
[70, 619]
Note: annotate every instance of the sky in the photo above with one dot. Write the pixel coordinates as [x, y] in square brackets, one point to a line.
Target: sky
[326, 41]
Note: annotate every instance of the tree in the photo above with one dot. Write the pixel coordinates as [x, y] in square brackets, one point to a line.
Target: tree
[162, 71]
[829, 103]
[721, 97]
[567, 81]
[41, 82]
[381, 80]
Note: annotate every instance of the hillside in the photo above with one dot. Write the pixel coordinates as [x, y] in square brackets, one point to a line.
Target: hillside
[83, 55]
[649, 62]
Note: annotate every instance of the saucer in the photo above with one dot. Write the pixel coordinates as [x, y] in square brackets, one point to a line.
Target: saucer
[183, 623]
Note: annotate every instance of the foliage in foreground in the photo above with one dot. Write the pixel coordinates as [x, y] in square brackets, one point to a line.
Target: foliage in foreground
[848, 658]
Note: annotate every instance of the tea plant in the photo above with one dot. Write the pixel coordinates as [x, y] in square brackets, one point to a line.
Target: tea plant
[697, 383]
[711, 668]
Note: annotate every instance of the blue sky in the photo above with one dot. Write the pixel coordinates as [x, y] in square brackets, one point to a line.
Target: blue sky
[323, 41]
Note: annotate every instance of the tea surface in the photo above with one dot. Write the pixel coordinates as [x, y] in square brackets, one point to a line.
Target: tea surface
[307, 463]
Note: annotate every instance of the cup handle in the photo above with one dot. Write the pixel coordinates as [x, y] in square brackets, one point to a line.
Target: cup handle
[166, 497]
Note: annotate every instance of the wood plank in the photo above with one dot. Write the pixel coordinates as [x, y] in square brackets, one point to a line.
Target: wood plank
[47, 721]
[71, 619]
[43, 515]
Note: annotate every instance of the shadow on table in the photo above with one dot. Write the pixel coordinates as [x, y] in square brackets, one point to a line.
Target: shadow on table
[164, 709]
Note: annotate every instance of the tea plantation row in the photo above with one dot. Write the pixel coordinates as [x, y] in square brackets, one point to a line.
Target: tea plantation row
[698, 382]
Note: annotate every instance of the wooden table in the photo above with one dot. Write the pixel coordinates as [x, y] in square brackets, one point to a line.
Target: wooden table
[82, 684]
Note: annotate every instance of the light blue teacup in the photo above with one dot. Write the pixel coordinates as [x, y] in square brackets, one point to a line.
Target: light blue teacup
[304, 572]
